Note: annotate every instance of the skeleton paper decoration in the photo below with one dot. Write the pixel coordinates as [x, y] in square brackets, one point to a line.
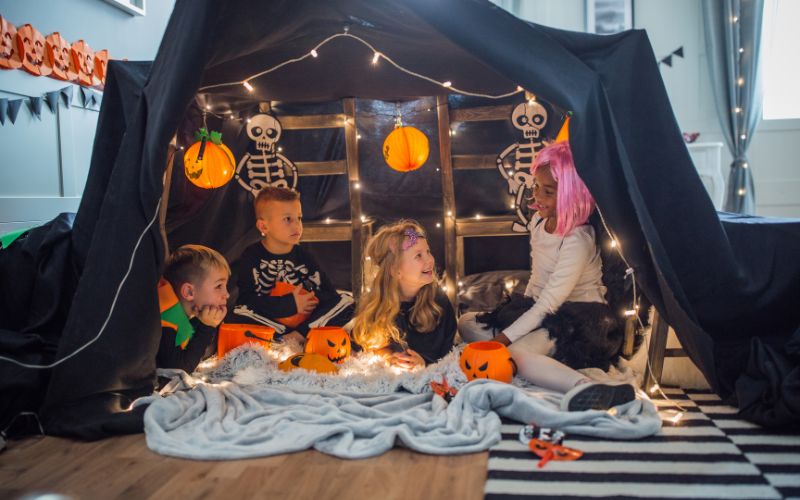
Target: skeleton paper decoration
[30, 44]
[83, 62]
[267, 167]
[514, 163]
[9, 55]
[58, 54]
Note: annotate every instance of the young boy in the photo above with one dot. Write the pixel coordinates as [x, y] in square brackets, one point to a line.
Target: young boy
[280, 284]
[193, 295]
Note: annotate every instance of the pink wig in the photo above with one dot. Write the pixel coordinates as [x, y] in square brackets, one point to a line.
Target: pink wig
[575, 203]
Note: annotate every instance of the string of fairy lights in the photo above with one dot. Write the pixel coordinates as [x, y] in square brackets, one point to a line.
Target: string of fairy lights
[738, 110]
[377, 56]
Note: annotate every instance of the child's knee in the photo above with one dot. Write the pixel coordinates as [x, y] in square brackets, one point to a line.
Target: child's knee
[471, 330]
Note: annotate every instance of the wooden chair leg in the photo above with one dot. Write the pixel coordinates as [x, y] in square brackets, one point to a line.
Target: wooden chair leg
[656, 351]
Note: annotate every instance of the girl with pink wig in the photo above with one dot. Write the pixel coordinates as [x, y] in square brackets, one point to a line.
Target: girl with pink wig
[562, 322]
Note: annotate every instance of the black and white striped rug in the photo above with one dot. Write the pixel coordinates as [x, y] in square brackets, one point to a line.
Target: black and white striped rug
[708, 453]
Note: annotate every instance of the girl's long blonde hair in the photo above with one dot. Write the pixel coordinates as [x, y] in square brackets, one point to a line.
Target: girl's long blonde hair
[380, 299]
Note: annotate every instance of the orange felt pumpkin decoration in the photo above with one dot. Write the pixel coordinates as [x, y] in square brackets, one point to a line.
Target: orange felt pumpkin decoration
[83, 62]
[487, 359]
[329, 341]
[9, 55]
[232, 335]
[208, 163]
[100, 65]
[308, 361]
[280, 289]
[30, 44]
[58, 53]
[405, 149]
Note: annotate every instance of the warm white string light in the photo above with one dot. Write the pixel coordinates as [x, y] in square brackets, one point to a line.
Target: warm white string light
[376, 56]
[629, 271]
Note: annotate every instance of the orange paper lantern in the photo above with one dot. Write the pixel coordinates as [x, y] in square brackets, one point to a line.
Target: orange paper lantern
[30, 44]
[489, 360]
[58, 53]
[308, 361]
[280, 289]
[329, 341]
[232, 335]
[9, 55]
[405, 149]
[99, 66]
[83, 62]
[208, 163]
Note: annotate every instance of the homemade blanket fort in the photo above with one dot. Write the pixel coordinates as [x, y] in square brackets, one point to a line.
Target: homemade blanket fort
[243, 406]
[304, 94]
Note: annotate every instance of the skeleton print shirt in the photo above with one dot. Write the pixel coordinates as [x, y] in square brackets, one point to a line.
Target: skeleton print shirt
[259, 271]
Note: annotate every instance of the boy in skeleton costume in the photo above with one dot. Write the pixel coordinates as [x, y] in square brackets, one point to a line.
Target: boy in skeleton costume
[280, 284]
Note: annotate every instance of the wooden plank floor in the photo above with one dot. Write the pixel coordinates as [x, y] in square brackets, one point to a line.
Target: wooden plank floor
[123, 467]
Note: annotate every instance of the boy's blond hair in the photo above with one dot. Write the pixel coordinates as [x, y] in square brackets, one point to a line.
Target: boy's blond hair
[190, 264]
[272, 193]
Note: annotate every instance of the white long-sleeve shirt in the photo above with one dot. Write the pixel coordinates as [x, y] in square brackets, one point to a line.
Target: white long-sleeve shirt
[563, 269]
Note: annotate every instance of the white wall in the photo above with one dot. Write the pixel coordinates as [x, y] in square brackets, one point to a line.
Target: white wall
[774, 153]
[45, 162]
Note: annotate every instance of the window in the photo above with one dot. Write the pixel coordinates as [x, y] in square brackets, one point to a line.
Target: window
[132, 7]
[781, 73]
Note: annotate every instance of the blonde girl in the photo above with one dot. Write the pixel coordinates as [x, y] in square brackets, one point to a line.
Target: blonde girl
[402, 313]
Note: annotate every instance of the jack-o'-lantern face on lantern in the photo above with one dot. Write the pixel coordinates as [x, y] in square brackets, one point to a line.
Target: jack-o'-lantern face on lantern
[9, 56]
[100, 64]
[58, 53]
[489, 360]
[30, 44]
[83, 62]
[308, 361]
[329, 341]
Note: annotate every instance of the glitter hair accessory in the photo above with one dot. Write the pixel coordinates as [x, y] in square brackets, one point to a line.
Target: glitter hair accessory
[413, 236]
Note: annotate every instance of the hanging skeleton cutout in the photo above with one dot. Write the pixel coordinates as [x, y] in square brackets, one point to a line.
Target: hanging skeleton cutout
[267, 167]
[514, 163]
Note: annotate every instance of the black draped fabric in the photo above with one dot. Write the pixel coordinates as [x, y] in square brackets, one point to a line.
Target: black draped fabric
[705, 276]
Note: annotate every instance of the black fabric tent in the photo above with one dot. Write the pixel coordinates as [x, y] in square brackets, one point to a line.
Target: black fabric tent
[717, 281]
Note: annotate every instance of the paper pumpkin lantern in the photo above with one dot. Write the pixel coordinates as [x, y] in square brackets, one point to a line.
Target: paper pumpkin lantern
[308, 361]
[405, 149]
[83, 62]
[232, 335]
[208, 163]
[329, 341]
[280, 289]
[489, 359]
[99, 66]
[9, 55]
[30, 44]
[58, 54]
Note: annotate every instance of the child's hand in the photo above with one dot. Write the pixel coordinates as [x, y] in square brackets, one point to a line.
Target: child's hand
[211, 315]
[407, 360]
[305, 301]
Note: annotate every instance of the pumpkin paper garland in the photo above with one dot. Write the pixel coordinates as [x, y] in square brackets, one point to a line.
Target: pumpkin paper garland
[30, 45]
[208, 163]
[329, 341]
[405, 149]
[9, 55]
[487, 359]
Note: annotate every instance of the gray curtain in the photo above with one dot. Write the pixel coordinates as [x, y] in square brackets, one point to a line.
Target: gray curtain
[733, 44]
